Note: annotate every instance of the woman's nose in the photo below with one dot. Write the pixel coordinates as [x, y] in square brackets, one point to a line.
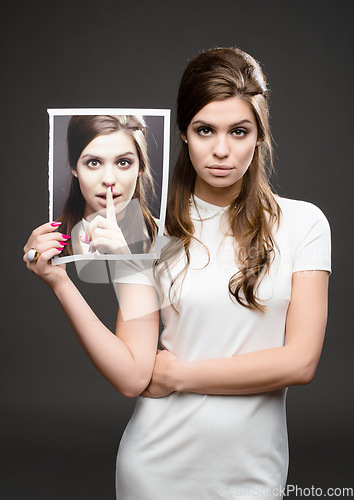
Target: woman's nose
[108, 177]
[220, 147]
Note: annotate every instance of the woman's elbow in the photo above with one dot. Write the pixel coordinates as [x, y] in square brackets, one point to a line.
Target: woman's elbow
[127, 392]
[305, 374]
[133, 388]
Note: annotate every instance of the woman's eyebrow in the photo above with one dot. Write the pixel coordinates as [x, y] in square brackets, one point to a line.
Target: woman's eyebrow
[237, 124]
[128, 153]
[99, 157]
[89, 155]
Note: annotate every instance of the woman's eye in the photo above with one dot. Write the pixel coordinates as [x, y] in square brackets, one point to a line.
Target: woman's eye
[239, 132]
[93, 163]
[124, 163]
[204, 131]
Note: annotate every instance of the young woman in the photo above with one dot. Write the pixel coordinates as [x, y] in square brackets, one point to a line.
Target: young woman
[110, 167]
[244, 305]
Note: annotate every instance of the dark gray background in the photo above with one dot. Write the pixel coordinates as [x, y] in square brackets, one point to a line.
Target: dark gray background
[62, 172]
[61, 421]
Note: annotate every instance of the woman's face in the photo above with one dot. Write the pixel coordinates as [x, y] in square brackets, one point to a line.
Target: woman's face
[108, 160]
[222, 138]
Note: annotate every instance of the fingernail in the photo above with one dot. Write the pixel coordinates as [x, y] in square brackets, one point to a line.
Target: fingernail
[111, 188]
[65, 236]
[55, 224]
[63, 242]
[60, 249]
[84, 238]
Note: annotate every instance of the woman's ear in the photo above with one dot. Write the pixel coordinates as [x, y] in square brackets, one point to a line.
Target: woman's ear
[74, 172]
[184, 138]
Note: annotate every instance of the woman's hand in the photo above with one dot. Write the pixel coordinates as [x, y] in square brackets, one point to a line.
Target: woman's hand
[161, 383]
[106, 237]
[104, 234]
[48, 244]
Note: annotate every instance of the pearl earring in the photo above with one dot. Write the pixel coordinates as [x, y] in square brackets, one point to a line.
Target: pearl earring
[185, 140]
[74, 174]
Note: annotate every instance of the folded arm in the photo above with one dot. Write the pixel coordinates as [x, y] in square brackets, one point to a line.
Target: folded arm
[258, 371]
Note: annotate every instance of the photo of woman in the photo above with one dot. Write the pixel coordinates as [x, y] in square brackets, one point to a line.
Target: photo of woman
[111, 192]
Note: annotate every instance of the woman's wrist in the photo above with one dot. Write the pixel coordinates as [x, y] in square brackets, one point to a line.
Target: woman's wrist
[176, 376]
[58, 287]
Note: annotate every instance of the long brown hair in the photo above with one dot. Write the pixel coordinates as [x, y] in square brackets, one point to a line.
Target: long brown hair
[216, 75]
[82, 129]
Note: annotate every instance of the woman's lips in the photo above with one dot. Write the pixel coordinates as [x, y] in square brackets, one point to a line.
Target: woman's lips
[102, 198]
[220, 170]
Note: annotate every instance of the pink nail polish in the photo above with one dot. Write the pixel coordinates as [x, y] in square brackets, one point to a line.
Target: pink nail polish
[56, 224]
[65, 236]
[111, 188]
[60, 249]
[63, 242]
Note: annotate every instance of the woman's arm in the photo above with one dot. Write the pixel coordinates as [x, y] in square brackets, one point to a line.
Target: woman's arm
[126, 360]
[259, 371]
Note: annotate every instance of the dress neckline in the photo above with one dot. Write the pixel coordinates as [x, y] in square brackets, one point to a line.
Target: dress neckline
[202, 210]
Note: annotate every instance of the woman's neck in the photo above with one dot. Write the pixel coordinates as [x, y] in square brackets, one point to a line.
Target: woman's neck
[219, 196]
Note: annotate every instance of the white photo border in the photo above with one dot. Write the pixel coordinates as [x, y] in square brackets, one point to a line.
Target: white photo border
[145, 112]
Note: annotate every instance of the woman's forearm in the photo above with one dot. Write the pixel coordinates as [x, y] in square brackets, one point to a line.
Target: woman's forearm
[250, 373]
[110, 355]
[267, 369]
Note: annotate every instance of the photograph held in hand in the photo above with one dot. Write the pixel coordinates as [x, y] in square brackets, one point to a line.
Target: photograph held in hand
[108, 173]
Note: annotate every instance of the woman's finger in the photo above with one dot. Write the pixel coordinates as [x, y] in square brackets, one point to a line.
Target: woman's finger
[41, 231]
[44, 239]
[99, 244]
[43, 246]
[97, 222]
[109, 233]
[47, 227]
[110, 242]
[42, 260]
[110, 209]
[99, 232]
